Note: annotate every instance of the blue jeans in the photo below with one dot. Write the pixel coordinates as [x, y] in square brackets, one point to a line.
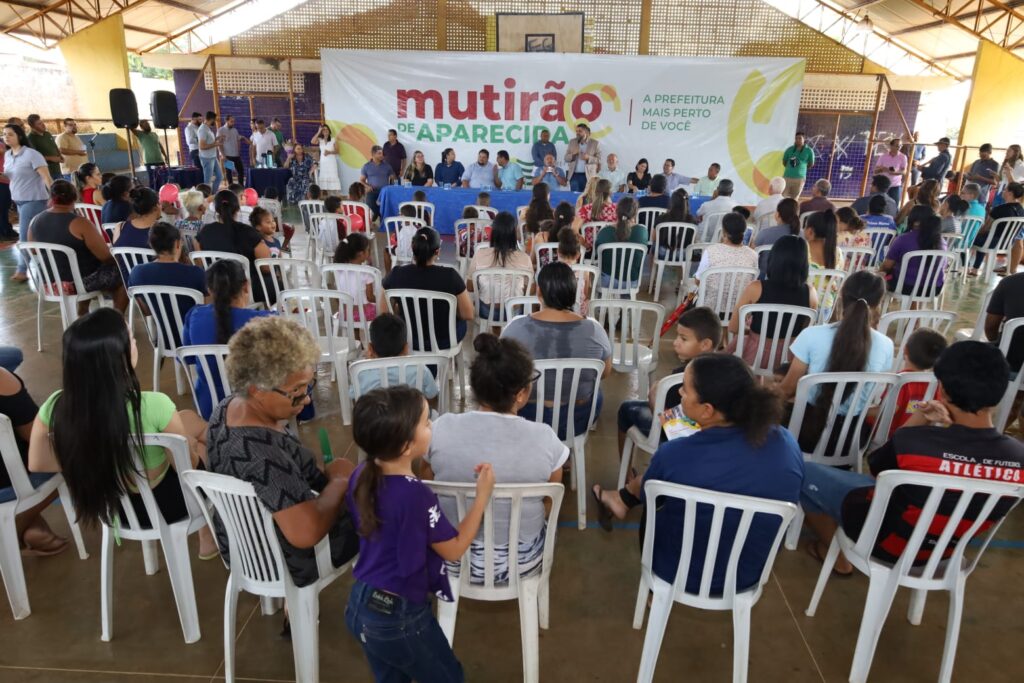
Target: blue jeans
[635, 414]
[26, 212]
[580, 416]
[193, 157]
[211, 172]
[10, 358]
[825, 488]
[578, 182]
[403, 646]
[37, 479]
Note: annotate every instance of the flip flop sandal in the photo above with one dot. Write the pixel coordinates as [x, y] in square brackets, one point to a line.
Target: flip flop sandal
[31, 551]
[604, 515]
[814, 550]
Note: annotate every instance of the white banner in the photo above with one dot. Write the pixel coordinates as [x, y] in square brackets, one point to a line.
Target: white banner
[738, 112]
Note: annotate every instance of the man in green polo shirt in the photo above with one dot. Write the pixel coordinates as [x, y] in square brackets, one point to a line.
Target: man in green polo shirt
[152, 150]
[44, 143]
[796, 160]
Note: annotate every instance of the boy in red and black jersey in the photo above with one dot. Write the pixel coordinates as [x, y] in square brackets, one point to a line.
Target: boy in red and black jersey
[952, 435]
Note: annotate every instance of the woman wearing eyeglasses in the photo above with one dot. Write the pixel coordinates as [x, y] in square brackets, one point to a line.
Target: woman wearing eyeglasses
[88, 428]
[216, 322]
[270, 366]
[520, 451]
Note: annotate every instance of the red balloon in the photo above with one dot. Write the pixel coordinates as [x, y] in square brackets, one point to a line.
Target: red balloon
[356, 223]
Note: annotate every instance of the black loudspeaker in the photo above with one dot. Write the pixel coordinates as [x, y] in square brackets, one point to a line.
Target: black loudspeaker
[163, 107]
[123, 108]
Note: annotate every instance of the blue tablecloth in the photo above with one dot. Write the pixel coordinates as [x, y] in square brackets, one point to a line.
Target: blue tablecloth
[449, 204]
[260, 179]
[182, 176]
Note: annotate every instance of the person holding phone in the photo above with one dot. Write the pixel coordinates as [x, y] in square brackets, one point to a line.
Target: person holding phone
[550, 174]
[797, 160]
[893, 164]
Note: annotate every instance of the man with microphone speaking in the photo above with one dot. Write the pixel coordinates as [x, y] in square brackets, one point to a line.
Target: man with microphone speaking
[582, 158]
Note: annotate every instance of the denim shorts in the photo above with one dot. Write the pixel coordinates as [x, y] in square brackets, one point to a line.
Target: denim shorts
[635, 414]
[37, 479]
[825, 488]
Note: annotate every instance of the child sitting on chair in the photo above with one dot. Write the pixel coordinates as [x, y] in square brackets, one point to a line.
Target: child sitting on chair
[389, 339]
[924, 346]
[697, 331]
[313, 192]
[263, 221]
[569, 253]
[354, 249]
[421, 196]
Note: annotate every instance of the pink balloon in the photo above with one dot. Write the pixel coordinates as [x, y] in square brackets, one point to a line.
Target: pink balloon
[355, 223]
[250, 196]
[169, 193]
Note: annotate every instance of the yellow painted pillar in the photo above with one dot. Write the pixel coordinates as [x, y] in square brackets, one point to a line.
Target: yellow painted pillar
[645, 27]
[993, 110]
[97, 60]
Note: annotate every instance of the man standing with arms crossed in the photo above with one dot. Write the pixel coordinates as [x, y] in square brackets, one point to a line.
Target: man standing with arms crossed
[71, 148]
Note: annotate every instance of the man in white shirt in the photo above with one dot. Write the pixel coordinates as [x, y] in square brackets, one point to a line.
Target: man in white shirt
[480, 174]
[192, 139]
[231, 147]
[706, 186]
[721, 203]
[71, 148]
[209, 152]
[672, 179]
[613, 174]
[263, 142]
[764, 212]
[582, 156]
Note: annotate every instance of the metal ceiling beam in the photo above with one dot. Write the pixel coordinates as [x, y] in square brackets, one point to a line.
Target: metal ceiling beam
[183, 6]
[188, 30]
[63, 6]
[970, 22]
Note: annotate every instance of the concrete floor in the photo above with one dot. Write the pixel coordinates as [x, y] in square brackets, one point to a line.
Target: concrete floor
[594, 586]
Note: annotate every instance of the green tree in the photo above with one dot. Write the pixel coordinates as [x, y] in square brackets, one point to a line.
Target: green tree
[135, 64]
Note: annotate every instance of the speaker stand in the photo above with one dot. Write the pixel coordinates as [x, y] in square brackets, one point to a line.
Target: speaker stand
[131, 158]
[167, 149]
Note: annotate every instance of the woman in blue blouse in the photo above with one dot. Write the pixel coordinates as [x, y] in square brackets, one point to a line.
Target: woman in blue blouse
[449, 171]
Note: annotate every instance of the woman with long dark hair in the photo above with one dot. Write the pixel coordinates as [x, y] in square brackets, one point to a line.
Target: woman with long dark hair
[925, 234]
[134, 232]
[520, 451]
[729, 252]
[217, 321]
[449, 171]
[91, 428]
[640, 178]
[626, 229]
[503, 252]
[89, 179]
[404, 540]
[548, 231]
[926, 194]
[740, 449]
[424, 273]
[539, 208]
[30, 182]
[230, 235]
[786, 284]
[117, 206]
[678, 212]
[59, 224]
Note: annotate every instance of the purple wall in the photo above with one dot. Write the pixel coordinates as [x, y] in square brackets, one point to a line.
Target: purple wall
[307, 106]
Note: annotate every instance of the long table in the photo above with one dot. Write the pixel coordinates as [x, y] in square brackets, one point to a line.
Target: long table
[448, 204]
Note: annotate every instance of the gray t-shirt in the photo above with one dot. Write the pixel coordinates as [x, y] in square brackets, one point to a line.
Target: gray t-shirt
[22, 172]
[520, 451]
[231, 141]
[207, 137]
[578, 339]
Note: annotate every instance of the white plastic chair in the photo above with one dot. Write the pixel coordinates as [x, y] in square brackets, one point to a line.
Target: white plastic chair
[626, 258]
[325, 226]
[1002, 414]
[648, 216]
[108, 231]
[676, 235]
[589, 231]
[167, 308]
[544, 253]
[424, 211]
[26, 497]
[880, 238]
[499, 284]
[889, 403]
[350, 278]
[847, 437]
[806, 216]
[692, 259]
[932, 265]
[824, 281]
[857, 258]
[92, 213]
[731, 282]
[484, 212]
[1001, 235]
[649, 442]
[557, 389]
[330, 317]
[740, 602]
[629, 350]
[392, 228]
[208, 361]
[531, 591]
[204, 259]
[516, 306]
[127, 258]
[173, 538]
[416, 307]
[711, 227]
[307, 208]
[970, 226]
[360, 209]
[258, 567]
[378, 368]
[477, 231]
[286, 273]
[43, 259]
[937, 574]
[585, 272]
[976, 333]
[779, 325]
[905, 323]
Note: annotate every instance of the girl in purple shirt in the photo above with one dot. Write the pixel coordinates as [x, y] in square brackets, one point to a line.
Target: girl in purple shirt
[925, 234]
[404, 540]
